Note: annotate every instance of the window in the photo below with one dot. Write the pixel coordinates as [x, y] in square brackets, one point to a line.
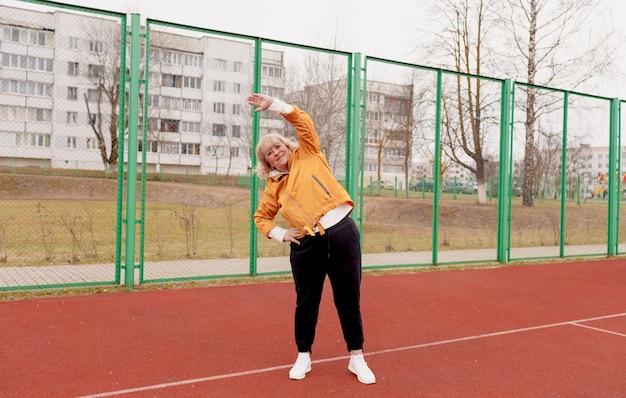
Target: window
[93, 95]
[171, 80]
[373, 98]
[371, 167]
[220, 64]
[272, 91]
[71, 117]
[39, 115]
[151, 146]
[237, 66]
[219, 151]
[270, 71]
[40, 89]
[219, 86]
[219, 107]
[92, 143]
[72, 68]
[373, 116]
[190, 149]
[32, 139]
[219, 130]
[169, 102]
[28, 36]
[45, 39]
[192, 82]
[169, 125]
[236, 109]
[236, 88]
[153, 100]
[96, 46]
[73, 43]
[170, 147]
[372, 136]
[171, 58]
[234, 152]
[236, 131]
[191, 127]
[392, 152]
[72, 93]
[13, 86]
[8, 112]
[95, 71]
[192, 105]
[193, 60]
[70, 142]
[26, 62]
[13, 34]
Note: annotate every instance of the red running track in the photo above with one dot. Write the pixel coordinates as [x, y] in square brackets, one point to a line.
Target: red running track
[552, 330]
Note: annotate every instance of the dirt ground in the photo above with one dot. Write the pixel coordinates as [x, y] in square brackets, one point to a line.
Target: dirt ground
[389, 223]
[378, 210]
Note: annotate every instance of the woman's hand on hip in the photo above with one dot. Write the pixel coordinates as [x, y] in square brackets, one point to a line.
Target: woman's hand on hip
[292, 235]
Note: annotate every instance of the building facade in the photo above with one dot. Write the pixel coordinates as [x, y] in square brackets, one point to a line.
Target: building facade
[59, 77]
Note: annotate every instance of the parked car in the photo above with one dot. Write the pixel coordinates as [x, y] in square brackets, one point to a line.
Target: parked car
[470, 187]
[382, 184]
[425, 185]
[461, 187]
[452, 187]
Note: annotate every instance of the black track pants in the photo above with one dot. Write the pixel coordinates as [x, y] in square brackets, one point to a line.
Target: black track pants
[337, 254]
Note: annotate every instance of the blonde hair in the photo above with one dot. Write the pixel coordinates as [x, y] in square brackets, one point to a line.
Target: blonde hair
[263, 168]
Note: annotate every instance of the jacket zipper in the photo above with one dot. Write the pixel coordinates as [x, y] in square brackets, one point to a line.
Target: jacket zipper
[322, 185]
[293, 202]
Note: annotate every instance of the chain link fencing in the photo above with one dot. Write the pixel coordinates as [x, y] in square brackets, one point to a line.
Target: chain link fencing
[437, 171]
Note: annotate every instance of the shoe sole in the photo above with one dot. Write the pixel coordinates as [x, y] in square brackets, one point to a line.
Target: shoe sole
[359, 378]
[300, 377]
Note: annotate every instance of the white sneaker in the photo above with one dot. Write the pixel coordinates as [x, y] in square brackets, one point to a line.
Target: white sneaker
[301, 367]
[359, 367]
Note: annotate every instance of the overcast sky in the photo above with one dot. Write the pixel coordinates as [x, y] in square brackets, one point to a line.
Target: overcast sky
[386, 29]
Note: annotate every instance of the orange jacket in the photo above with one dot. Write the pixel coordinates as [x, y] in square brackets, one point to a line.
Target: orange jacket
[309, 190]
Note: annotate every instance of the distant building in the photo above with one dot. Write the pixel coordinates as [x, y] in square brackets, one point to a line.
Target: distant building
[198, 121]
[389, 131]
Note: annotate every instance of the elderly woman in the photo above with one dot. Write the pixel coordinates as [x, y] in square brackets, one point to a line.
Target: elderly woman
[324, 240]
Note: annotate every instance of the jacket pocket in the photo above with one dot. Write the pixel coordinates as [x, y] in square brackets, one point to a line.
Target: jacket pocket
[321, 185]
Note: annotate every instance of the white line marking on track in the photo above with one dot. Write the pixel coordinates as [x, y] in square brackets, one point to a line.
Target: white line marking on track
[599, 330]
[398, 349]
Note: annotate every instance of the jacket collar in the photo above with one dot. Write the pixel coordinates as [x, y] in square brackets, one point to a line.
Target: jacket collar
[277, 174]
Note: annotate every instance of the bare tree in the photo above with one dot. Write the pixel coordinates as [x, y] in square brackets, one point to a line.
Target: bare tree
[546, 36]
[465, 106]
[102, 101]
[321, 90]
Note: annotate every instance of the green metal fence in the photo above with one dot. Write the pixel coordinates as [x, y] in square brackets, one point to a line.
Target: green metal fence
[437, 174]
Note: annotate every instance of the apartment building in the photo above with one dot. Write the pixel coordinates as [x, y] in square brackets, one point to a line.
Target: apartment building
[389, 131]
[60, 70]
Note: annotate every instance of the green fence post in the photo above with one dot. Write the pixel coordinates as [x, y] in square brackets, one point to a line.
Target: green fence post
[119, 221]
[613, 197]
[437, 168]
[131, 181]
[504, 183]
[563, 176]
[256, 123]
[144, 152]
[353, 133]
[395, 187]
